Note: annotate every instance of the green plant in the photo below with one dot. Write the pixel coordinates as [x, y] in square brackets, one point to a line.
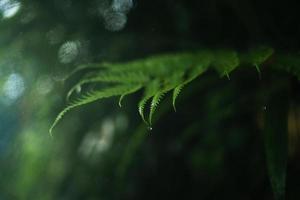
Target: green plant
[157, 75]
[161, 74]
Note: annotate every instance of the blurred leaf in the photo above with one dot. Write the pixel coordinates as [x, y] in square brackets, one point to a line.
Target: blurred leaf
[275, 134]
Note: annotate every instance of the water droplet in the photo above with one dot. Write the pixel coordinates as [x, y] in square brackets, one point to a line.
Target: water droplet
[150, 128]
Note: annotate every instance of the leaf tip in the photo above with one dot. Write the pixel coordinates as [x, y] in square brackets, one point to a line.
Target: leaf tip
[120, 102]
[258, 70]
[51, 131]
[176, 93]
[174, 107]
[227, 75]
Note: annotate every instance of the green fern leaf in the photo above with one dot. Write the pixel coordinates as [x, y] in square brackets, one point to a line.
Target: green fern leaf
[225, 61]
[276, 140]
[158, 75]
[150, 91]
[257, 56]
[110, 77]
[132, 90]
[91, 97]
[289, 63]
[89, 66]
[155, 101]
[195, 72]
[176, 93]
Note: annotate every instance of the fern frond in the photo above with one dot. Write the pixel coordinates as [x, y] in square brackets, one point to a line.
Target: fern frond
[289, 63]
[150, 91]
[176, 93]
[110, 77]
[154, 103]
[157, 75]
[168, 85]
[257, 56]
[195, 72]
[132, 90]
[91, 97]
[89, 66]
[141, 107]
[225, 61]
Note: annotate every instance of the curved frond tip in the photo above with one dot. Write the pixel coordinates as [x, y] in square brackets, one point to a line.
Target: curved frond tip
[154, 103]
[91, 97]
[176, 93]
